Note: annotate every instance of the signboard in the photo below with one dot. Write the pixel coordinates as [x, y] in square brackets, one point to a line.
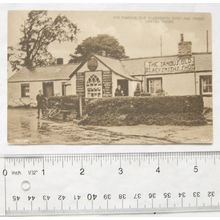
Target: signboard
[164, 65]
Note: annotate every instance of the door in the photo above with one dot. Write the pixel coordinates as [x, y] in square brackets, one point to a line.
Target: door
[63, 88]
[48, 89]
[124, 86]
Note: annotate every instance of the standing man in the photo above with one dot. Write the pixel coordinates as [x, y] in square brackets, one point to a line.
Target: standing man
[40, 103]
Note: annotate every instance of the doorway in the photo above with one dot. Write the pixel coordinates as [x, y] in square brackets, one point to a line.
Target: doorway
[48, 89]
[124, 85]
[64, 89]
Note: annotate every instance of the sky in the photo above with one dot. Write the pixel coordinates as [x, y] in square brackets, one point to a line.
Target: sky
[139, 32]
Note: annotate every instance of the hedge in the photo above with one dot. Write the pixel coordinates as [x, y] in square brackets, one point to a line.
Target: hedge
[175, 110]
[109, 119]
[165, 104]
[66, 102]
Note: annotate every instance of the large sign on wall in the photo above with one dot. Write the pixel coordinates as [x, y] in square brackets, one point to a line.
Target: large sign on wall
[164, 65]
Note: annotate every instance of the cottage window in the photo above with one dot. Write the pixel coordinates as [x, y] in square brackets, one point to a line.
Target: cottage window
[154, 85]
[94, 87]
[205, 85]
[25, 90]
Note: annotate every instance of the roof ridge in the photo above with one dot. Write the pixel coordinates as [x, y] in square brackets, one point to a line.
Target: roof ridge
[56, 65]
[148, 57]
[113, 58]
[44, 73]
[42, 67]
[124, 74]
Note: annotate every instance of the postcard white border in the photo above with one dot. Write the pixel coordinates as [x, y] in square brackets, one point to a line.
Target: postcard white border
[5, 149]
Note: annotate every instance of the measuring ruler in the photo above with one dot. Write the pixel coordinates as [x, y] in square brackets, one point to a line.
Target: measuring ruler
[109, 183]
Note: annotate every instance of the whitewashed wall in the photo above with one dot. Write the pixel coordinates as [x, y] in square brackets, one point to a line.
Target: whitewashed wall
[14, 92]
[71, 89]
[58, 87]
[179, 84]
[132, 84]
[132, 87]
[176, 84]
[183, 84]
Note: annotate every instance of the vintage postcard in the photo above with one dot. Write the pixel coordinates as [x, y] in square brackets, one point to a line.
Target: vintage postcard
[109, 77]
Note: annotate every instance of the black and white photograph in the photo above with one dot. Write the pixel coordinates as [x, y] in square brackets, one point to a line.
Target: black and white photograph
[109, 77]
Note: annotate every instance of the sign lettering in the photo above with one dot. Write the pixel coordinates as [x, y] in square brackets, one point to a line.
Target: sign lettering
[170, 65]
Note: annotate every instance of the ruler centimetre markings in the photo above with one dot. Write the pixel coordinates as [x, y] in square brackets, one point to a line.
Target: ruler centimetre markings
[111, 183]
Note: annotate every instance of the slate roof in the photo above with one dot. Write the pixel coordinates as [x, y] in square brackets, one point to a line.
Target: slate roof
[53, 72]
[116, 66]
[125, 68]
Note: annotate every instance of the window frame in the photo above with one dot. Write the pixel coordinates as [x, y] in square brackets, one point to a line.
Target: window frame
[154, 78]
[201, 78]
[23, 92]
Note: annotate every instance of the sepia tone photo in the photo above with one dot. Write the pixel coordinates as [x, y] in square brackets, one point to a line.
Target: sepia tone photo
[109, 77]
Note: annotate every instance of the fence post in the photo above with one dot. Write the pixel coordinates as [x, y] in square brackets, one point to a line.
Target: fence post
[80, 106]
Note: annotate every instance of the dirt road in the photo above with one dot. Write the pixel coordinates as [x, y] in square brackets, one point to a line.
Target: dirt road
[25, 128]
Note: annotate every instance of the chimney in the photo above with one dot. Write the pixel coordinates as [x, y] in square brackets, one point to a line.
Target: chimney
[59, 61]
[184, 47]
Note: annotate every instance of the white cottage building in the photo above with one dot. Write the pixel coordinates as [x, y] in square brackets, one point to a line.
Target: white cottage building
[186, 73]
